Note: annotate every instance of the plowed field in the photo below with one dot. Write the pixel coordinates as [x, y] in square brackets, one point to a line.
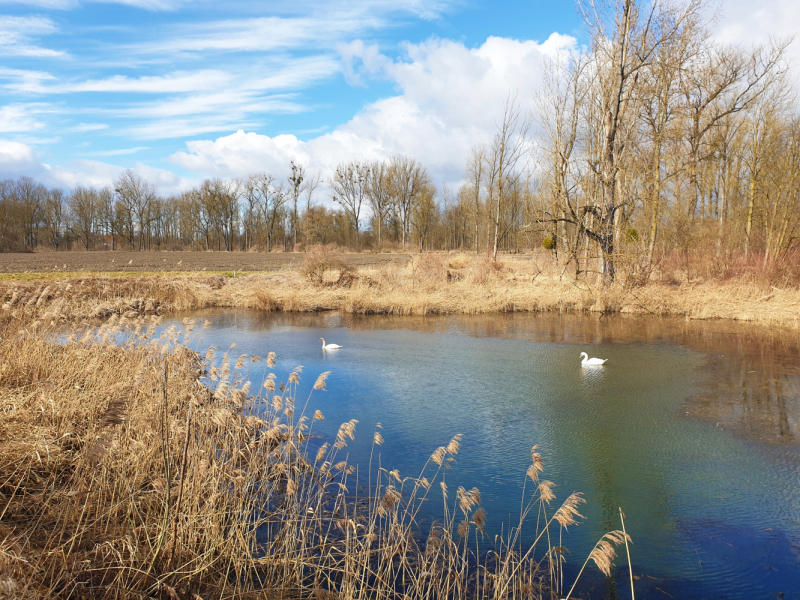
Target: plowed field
[149, 262]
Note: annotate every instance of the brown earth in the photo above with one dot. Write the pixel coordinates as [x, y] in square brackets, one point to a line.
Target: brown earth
[150, 262]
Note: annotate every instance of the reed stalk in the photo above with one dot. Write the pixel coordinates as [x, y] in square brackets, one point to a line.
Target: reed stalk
[98, 424]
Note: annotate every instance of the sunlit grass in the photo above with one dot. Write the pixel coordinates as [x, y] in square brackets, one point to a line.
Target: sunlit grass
[425, 285]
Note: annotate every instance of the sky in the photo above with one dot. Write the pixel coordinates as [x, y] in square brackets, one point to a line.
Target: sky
[183, 90]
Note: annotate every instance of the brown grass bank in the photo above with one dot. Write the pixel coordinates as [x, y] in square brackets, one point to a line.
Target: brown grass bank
[123, 476]
[425, 284]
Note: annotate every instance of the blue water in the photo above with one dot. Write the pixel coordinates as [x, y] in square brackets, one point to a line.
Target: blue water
[702, 460]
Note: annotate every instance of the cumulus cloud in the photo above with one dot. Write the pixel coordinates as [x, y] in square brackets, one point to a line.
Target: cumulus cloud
[17, 158]
[450, 98]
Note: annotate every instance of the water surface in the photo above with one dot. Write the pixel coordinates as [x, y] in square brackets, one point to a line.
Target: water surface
[692, 428]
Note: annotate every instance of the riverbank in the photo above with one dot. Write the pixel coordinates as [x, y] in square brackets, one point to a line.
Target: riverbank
[426, 284]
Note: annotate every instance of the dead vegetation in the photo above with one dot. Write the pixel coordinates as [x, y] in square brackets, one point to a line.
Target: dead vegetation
[434, 283]
[323, 266]
[132, 467]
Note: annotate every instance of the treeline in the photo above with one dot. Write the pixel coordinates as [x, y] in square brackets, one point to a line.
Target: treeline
[381, 203]
[654, 141]
[658, 139]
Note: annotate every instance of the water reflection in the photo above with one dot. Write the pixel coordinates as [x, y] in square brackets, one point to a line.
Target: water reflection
[753, 384]
[691, 427]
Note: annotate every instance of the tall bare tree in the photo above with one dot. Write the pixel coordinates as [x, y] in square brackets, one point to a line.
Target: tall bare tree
[349, 185]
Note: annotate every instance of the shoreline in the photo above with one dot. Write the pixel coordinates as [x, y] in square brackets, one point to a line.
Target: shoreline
[390, 289]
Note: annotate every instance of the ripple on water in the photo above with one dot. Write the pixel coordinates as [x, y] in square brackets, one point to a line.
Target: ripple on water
[692, 431]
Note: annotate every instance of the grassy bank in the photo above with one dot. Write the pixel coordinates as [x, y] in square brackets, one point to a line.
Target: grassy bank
[123, 476]
[428, 284]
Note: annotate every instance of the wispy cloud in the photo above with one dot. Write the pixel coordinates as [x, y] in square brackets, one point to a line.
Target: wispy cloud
[51, 4]
[260, 34]
[22, 118]
[17, 33]
[122, 152]
[86, 127]
[161, 84]
[152, 5]
[23, 81]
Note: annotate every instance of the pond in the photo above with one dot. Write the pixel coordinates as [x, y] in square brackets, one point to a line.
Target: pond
[692, 428]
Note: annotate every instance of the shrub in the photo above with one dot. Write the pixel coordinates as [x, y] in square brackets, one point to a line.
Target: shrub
[266, 301]
[549, 243]
[429, 269]
[482, 270]
[459, 261]
[321, 266]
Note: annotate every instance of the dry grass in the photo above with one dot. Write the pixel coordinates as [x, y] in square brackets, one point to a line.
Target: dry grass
[428, 284]
[123, 476]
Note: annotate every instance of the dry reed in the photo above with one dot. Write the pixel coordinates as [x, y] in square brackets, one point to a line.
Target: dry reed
[122, 475]
[429, 284]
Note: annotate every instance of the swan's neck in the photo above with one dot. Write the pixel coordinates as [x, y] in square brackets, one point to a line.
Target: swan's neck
[323, 342]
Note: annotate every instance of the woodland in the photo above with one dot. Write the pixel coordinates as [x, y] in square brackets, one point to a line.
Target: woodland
[654, 145]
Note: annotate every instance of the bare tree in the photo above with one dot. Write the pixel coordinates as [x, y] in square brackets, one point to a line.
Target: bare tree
[54, 216]
[725, 80]
[625, 38]
[508, 148]
[312, 183]
[407, 180]
[135, 194]
[424, 214]
[295, 185]
[349, 184]
[475, 166]
[379, 193]
[83, 207]
[559, 105]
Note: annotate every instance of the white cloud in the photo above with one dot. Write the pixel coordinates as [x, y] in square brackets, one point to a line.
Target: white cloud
[16, 34]
[162, 84]
[153, 5]
[121, 152]
[426, 9]
[85, 127]
[24, 117]
[17, 159]
[745, 22]
[451, 98]
[190, 103]
[260, 34]
[23, 81]
[289, 73]
[52, 4]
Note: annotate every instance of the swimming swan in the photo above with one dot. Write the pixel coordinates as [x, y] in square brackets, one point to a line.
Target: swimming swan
[591, 362]
[329, 346]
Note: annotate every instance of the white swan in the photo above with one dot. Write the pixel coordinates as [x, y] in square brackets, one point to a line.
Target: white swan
[329, 346]
[591, 362]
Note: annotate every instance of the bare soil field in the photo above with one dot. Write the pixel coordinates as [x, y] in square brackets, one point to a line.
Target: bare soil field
[154, 262]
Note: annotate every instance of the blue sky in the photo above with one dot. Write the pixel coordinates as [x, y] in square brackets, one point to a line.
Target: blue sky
[182, 90]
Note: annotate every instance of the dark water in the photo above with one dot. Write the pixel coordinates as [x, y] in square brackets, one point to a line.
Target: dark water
[692, 428]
